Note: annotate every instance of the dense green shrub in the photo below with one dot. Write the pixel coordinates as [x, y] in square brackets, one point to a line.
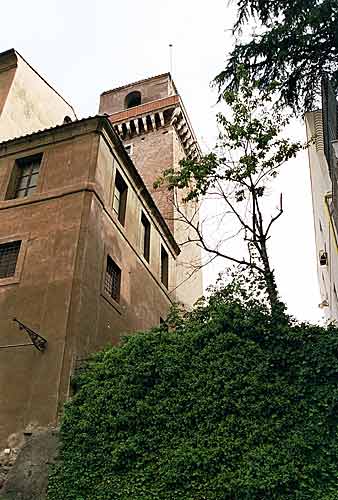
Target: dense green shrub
[232, 404]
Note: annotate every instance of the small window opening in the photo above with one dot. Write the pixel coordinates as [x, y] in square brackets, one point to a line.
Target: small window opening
[120, 197]
[129, 149]
[323, 258]
[164, 267]
[9, 253]
[133, 99]
[112, 281]
[145, 237]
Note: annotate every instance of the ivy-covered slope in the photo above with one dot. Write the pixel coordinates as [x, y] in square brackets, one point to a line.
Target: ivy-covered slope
[231, 405]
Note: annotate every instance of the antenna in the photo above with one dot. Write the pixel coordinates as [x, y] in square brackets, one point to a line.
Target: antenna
[171, 58]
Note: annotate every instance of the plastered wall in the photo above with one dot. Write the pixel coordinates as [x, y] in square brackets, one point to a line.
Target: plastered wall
[325, 234]
[27, 102]
[67, 228]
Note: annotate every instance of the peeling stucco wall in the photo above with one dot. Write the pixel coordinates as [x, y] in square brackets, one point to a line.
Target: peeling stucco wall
[29, 103]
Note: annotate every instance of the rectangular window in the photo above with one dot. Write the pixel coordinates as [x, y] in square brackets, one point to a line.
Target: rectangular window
[26, 176]
[9, 253]
[112, 281]
[164, 267]
[145, 237]
[120, 197]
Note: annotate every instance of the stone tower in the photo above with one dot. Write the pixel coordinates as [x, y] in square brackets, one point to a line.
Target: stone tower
[154, 127]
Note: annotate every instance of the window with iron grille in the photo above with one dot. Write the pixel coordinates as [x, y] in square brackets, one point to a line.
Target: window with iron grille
[112, 280]
[164, 267]
[120, 197]
[27, 173]
[9, 253]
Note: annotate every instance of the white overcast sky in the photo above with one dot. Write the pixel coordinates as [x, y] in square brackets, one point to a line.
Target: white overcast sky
[84, 47]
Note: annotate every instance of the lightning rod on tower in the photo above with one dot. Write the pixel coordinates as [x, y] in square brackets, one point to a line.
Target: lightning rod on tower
[171, 58]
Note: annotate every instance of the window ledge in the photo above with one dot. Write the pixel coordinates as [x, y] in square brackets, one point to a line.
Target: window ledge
[112, 302]
[11, 280]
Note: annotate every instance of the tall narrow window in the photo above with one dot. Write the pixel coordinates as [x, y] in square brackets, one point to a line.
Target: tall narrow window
[26, 176]
[164, 267]
[112, 281]
[9, 253]
[120, 197]
[145, 237]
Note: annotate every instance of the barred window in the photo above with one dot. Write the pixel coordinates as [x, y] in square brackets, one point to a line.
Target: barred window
[9, 253]
[112, 280]
[27, 175]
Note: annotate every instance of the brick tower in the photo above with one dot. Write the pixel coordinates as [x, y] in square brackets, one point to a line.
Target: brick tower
[154, 127]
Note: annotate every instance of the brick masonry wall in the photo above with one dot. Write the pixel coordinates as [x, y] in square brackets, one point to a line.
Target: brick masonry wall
[152, 153]
[189, 277]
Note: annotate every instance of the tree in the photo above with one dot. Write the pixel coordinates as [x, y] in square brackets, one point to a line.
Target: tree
[250, 152]
[228, 405]
[296, 44]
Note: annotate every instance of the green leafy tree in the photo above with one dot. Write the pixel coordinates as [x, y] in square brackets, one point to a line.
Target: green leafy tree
[294, 42]
[250, 152]
[228, 405]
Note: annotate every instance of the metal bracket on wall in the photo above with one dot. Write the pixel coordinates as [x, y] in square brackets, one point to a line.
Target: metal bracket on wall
[37, 340]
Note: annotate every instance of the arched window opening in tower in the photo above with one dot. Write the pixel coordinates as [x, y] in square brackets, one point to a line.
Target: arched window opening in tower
[133, 99]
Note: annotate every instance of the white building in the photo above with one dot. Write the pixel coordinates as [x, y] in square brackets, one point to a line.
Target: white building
[321, 127]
